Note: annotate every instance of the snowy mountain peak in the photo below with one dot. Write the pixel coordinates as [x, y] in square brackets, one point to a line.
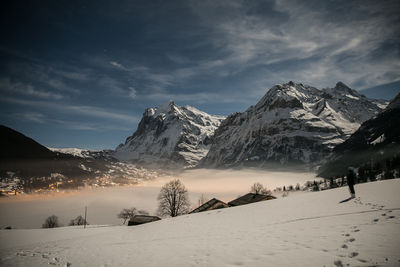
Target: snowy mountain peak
[342, 90]
[291, 123]
[167, 108]
[341, 86]
[288, 95]
[170, 134]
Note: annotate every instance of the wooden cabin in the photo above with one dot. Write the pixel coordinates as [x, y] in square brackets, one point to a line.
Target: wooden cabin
[141, 219]
[249, 198]
[212, 204]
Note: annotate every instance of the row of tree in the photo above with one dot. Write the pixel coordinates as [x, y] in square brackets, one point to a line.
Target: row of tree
[52, 222]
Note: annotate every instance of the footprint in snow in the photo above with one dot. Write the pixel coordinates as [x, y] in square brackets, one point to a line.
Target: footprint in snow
[361, 260]
[338, 263]
[391, 217]
[350, 240]
[347, 235]
[21, 253]
[353, 254]
[383, 214]
[344, 246]
[375, 220]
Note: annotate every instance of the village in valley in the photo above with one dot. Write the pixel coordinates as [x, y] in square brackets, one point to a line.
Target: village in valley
[119, 174]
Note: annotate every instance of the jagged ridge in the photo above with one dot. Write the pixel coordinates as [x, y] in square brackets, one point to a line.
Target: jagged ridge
[292, 123]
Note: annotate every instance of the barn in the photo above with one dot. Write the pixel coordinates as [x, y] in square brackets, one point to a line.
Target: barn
[141, 219]
[249, 198]
[210, 205]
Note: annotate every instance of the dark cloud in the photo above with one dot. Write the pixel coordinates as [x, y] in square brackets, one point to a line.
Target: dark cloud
[219, 56]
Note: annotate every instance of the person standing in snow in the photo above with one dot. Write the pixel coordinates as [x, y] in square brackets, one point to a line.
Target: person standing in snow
[351, 176]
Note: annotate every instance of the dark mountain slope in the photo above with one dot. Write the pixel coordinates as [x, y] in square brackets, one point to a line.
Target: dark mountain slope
[377, 140]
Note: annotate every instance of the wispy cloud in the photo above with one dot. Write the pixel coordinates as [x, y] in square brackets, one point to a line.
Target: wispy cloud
[67, 124]
[80, 110]
[263, 33]
[132, 92]
[6, 85]
[118, 65]
[45, 75]
[76, 74]
[100, 113]
[30, 116]
[199, 98]
[177, 58]
[88, 126]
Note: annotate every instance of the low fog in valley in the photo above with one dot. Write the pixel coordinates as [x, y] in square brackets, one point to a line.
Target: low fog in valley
[30, 211]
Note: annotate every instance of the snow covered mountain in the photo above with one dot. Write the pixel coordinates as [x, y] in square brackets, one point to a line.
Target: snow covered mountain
[293, 123]
[376, 141]
[85, 153]
[77, 152]
[170, 134]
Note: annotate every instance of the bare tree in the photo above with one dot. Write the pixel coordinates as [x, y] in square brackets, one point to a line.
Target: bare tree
[126, 214]
[78, 221]
[258, 188]
[51, 222]
[173, 199]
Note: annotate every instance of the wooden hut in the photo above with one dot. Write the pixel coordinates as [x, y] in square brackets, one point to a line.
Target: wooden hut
[141, 219]
[211, 205]
[249, 198]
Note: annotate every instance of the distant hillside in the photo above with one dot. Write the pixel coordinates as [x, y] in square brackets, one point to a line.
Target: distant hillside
[15, 145]
[27, 158]
[22, 157]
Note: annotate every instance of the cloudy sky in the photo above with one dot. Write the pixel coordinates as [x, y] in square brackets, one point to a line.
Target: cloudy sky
[81, 73]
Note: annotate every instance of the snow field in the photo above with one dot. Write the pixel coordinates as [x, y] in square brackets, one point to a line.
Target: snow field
[311, 229]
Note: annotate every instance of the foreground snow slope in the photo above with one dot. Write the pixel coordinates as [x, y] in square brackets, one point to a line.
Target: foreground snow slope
[304, 230]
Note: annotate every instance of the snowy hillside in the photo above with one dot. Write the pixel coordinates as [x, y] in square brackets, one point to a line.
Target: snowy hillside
[311, 229]
[85, 153]
[77, 152]
[292, 123]
[170, 134]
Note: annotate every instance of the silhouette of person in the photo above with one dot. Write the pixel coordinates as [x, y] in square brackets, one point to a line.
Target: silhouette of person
[351, 176]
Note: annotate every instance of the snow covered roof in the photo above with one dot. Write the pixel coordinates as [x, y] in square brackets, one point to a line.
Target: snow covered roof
[249, 198]
[211, 205]
[141, 219]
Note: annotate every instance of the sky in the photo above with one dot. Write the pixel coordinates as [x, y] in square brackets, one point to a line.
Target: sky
[81, 73]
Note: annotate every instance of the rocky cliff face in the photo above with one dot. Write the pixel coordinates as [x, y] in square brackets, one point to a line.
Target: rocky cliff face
[170, 136]
[292, 123]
